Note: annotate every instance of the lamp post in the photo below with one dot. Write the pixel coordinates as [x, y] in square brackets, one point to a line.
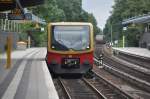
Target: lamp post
[123, 37]
[111, 33]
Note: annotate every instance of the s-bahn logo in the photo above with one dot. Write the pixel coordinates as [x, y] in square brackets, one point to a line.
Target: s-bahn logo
[6, 1]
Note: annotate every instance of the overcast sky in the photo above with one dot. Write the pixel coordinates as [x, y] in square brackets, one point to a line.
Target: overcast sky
[100, 8]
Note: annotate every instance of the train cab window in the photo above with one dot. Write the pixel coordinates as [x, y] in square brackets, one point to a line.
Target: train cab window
[70, 37]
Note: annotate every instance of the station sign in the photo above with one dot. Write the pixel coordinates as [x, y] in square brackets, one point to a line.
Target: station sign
[16, 14]
[12, 16]
[6, 1]
[3, 15]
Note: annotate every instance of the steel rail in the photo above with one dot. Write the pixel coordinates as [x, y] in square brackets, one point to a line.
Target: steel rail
[98, 92]
[131, 79]
[112, 85]
[64, 88]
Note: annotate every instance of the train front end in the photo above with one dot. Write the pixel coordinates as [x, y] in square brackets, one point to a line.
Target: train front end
[70, 48]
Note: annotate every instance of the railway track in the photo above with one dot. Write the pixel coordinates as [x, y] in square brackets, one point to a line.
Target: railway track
[112, 62]
[132, 75]
[107, 89]
[60, 89]
[101, 88]
[96, 88]
[76, 89]
[138, 60]
[123, 81]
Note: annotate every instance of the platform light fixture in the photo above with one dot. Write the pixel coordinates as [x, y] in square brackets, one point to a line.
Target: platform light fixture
[123, 37]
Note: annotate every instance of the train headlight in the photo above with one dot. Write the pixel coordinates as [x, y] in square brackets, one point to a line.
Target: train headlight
[65, 62]
[75, 62]
[53, 47]
[87, 47]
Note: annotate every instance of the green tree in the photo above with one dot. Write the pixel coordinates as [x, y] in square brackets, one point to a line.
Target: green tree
[63, 10]
[71, 8]
[124, 9]
[49, 11]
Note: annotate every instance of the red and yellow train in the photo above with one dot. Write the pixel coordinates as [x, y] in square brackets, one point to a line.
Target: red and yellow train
[70, 47]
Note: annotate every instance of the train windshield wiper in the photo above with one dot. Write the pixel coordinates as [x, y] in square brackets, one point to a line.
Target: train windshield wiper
[59, 46]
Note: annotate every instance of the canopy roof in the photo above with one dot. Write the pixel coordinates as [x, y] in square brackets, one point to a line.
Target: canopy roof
[138, 19]
[5, 5]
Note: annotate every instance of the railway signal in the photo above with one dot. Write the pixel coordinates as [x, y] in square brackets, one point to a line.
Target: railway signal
[101, 60]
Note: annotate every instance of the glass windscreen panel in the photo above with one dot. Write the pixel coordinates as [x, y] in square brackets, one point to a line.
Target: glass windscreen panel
[70, 38]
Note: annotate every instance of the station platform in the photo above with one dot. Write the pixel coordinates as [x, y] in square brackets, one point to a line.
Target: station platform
[141, 52]
[28, 77]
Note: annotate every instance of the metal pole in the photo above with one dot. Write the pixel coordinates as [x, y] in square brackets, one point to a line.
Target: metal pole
[29, 41]
[14, 26]
[123, 41]
[9, 47]
[2, 24]
[8, 21]
[1, 27]
[123, 37]
[111, 33]
[5, 25]
[10, 25]
[18, 27]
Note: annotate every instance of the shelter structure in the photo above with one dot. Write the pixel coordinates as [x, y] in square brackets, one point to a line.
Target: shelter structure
[11, 4]
[10, 23]
[144, 41]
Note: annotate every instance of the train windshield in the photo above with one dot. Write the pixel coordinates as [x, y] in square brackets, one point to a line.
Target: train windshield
[70, 37]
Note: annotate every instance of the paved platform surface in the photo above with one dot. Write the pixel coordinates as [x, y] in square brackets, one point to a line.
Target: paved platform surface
[136, 51]
[28, 77]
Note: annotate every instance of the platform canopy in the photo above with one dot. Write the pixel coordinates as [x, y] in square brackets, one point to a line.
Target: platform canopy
[25, 17]
[138, 19]
[11, 4]
[33, 18]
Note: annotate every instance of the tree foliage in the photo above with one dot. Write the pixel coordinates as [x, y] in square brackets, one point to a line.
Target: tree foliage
[64, 11]
[124, 9]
